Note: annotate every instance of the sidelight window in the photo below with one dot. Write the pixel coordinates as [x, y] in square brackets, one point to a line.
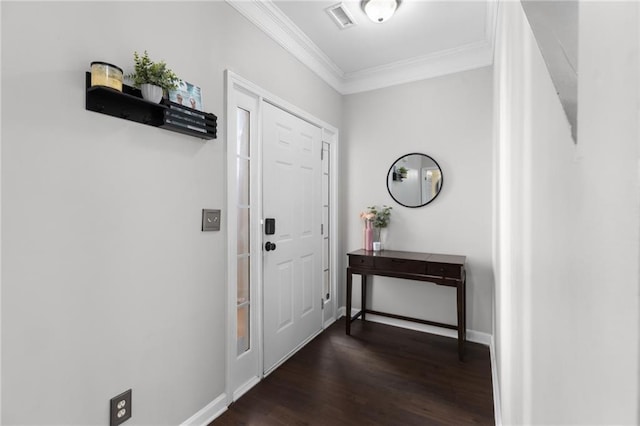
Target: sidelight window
[243, 209]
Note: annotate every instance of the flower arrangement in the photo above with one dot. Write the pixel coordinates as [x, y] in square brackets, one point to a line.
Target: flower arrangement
[156, 73]
[368, 218]
[380, 216]
[375, 218]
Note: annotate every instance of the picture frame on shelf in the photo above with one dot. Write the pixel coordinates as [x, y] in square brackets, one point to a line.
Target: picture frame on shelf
[188, 95]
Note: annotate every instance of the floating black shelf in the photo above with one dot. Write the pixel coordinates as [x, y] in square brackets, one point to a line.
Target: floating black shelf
[129, 105]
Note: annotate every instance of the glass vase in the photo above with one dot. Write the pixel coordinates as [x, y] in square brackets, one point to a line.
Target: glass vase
[378, 239]
[377, 244]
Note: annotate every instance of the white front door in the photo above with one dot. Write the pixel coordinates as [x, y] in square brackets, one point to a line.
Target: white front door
[292, 285]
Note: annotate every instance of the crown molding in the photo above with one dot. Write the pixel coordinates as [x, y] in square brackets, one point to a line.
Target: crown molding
[266, 16]
[475, 55]
[270, 19]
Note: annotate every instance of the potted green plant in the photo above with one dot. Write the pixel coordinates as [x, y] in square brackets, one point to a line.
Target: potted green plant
[400, 173]
[152, 78]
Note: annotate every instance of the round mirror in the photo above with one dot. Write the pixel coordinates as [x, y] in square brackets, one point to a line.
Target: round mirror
[414, 180]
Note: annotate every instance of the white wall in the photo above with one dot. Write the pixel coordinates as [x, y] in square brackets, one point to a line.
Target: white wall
[108, 282]
[448, 118]
[568, 216]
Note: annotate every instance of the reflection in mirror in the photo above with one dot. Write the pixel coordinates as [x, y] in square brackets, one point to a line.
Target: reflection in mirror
[414, 180]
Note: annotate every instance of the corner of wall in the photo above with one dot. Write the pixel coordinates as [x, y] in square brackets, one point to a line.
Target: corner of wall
[0, 228]
[209, 413]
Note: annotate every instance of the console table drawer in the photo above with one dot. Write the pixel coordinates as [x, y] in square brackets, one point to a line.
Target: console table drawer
[366, 261]
[444, 270]
[401, 265]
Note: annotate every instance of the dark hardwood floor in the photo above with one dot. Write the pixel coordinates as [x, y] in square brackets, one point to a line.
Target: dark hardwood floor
[380, 375]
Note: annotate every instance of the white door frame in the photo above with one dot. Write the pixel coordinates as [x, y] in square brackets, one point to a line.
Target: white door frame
[249, 361]
[234, 83]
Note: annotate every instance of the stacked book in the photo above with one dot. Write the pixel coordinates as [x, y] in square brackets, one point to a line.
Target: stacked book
[188, 120]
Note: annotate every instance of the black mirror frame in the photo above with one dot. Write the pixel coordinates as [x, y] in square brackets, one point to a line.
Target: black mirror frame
[391, 171]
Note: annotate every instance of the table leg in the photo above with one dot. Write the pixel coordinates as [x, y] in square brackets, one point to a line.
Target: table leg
[461, 302]
[348, 307]
[464, 312]
[364, 295]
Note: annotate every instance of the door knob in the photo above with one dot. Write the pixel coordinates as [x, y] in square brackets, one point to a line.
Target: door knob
[269, 246]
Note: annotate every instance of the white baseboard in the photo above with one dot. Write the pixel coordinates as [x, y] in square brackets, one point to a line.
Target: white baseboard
[497, 407]
[210, 412]
[246, 387]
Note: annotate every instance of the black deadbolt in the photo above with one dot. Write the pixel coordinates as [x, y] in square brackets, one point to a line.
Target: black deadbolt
[270, 226]
[269, 246]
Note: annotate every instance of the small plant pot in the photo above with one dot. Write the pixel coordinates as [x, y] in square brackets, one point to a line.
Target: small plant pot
[151, 93]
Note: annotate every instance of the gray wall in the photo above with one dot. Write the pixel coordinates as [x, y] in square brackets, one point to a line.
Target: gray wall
[450, 119]
[107, 281]
[567, 253]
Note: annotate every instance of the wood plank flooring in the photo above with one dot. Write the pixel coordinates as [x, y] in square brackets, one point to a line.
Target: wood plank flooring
[380, 375]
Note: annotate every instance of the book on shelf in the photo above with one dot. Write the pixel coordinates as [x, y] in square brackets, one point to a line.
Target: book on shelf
[186, 126]
[186, 111]
[189, 119]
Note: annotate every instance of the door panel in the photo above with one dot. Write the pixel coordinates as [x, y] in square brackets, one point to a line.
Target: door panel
[307, 285]
[285, 295]
[293, 271]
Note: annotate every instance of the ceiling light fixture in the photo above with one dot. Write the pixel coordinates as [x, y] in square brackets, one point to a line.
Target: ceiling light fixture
[380, 11]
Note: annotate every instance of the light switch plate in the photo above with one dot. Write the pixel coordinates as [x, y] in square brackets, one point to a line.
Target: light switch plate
[210, 220]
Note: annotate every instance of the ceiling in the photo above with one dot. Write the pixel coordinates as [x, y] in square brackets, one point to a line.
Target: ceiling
[424, 39]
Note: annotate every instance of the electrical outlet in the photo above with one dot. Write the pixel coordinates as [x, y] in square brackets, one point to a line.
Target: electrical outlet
[120, 408]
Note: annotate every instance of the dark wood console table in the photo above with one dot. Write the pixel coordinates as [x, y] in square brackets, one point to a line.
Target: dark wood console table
[441, 269]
